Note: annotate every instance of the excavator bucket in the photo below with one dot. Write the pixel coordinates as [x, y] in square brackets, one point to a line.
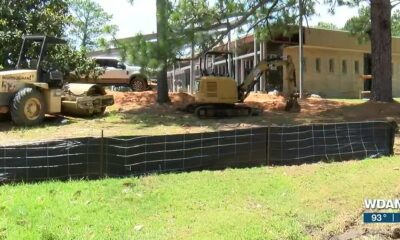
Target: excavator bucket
[292, 105]
[84, 100]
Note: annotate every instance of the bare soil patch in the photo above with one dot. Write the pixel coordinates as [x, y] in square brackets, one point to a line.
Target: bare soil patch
[138, 113]
[315, 109]
[376, 232]
[148, 99]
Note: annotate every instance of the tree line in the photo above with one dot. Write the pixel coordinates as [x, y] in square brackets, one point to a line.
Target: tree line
[204, 24]
[82, 22]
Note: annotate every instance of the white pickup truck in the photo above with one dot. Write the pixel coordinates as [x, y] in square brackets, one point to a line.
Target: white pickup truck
[116, 73]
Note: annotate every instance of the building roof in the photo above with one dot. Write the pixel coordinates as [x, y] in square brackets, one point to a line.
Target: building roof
[313, 37]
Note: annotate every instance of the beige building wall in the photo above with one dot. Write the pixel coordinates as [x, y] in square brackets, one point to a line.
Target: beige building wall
[396, 75]
[341, 62]
[337, 75]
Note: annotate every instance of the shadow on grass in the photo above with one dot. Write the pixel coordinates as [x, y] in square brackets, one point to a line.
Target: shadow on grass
[49, 120]
[155, 115]
[150, 119]
[168, 115]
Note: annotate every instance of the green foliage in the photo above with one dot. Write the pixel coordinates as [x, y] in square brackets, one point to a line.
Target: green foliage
[349, 3]
[141, 52]
[89, 24]
[74, 64]
[45, 17]
[280, 18]
[203, 24]
[396, 23]
[19, 18]
[206, 23]
[200, 22]
[360, 25]
[327, 25]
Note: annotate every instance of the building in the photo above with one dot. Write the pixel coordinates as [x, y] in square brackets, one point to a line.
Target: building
[333, 62]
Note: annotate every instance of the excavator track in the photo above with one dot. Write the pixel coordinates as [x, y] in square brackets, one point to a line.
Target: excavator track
[205, 111]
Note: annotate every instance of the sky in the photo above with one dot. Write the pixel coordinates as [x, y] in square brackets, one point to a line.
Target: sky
[140, 17]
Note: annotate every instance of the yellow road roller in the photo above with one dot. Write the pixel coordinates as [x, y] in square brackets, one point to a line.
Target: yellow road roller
[36, 87]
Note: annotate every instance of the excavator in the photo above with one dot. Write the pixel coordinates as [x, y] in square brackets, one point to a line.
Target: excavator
[218, 95]
[36, 87]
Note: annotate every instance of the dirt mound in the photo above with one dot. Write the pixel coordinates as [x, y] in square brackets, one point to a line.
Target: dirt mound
[181, 99]
[310, 107]
[266, 102]
[369, 233]
[148, 99]
[277, 103]
[125, 99]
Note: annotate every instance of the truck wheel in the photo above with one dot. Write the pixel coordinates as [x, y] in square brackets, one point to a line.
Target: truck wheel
[27, 107]
[138, 84]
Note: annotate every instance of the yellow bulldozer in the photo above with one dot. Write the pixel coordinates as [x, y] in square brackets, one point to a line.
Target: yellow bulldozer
[36, 87]
[218, 95]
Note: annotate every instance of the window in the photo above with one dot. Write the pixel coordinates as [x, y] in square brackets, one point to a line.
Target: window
[318, 65]
[113, 63]
[107, 63]
[356, 67]
[101, 62]
[304, 64]
[344, 66]
[331, 65]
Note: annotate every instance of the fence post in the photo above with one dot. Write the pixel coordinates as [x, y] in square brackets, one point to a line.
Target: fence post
[105, 155]
[68, 160]
[268, 145]
[47, 160]
[102, 154]
[26, 163]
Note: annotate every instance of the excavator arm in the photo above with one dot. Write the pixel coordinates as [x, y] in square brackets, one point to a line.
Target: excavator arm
[253, 77]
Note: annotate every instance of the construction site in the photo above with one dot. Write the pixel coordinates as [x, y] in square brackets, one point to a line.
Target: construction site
[49, 110]
[253, 138]
[137, 113]
[267, 93]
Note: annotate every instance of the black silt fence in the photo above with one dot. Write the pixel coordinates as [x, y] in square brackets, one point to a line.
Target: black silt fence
[330, 142]
[132, 156]
[185, 152]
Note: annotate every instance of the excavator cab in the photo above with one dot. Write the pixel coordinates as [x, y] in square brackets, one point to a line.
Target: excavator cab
[216, 84]
[208, 66]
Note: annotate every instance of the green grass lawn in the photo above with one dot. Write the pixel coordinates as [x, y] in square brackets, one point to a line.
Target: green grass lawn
[298, 202]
